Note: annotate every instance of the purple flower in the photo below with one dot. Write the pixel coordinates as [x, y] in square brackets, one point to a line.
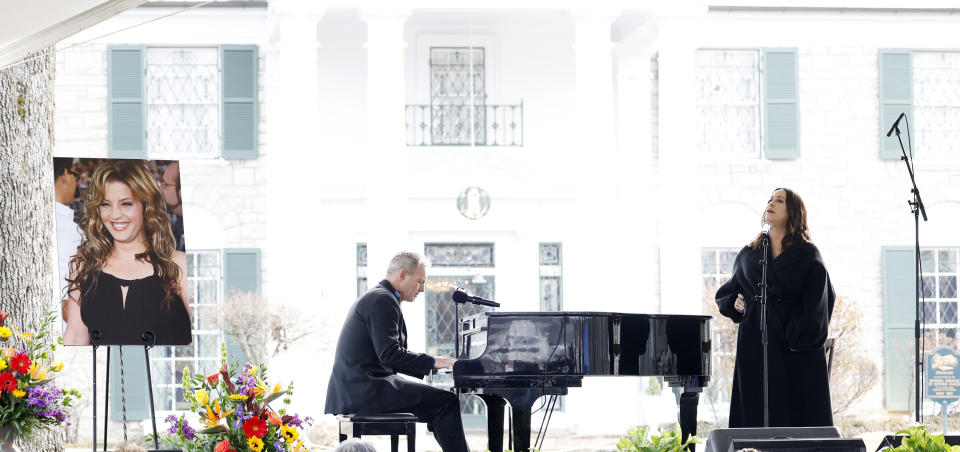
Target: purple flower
[45, 396]
[297, 422]
[188, 431]
[278, 446]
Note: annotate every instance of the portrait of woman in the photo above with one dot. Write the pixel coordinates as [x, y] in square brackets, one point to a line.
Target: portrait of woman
[800, 302]
[127, 280]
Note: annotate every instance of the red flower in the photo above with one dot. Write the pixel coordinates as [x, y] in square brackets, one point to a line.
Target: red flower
[20, 363]
[255, 427]
[8, 382]
[223, 446]
[3, 317]
[213, 378]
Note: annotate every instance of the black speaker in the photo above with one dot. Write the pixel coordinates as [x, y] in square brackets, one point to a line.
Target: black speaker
[797, 444]
[893, 441]
[720, 439]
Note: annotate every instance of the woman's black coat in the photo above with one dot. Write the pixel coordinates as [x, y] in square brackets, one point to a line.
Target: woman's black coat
[800, 304]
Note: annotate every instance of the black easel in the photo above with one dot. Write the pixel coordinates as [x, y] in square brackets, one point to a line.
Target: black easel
[149, 340]
[762, 298]
[917, 209]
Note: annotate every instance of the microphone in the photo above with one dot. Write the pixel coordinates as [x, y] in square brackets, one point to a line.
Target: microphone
[459, 296]
[896, 123]
[765, 228]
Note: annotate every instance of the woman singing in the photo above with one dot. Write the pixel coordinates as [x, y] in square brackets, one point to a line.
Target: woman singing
[127, 277]
[800, 302]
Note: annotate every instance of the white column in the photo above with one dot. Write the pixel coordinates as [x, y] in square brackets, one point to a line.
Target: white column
[293, 112]
[637, 189]
[387, 198]
[591, 256]
[680, 194]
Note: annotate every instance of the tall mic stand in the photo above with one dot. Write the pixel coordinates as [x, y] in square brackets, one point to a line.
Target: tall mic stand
[917, 209]
[762, 298]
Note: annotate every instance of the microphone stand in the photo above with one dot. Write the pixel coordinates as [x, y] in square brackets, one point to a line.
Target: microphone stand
[762, 298]
[917, 209]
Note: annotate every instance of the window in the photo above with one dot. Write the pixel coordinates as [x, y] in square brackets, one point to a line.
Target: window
[183, 102]
[551, 277]
[204, 276]
[457, 95]
[728, 102]
[747, 103]
[716, 269]
[361, 268]
[936, 103]
[939, 302]
[186, 102]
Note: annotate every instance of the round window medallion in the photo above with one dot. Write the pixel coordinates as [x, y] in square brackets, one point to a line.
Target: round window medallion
[473, 203]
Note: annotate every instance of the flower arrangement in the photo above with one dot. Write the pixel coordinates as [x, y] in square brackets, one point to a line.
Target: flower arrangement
[234, 407]
[28, 397]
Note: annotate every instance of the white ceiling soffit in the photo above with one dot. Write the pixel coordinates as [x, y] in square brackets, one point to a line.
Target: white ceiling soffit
[31, 25]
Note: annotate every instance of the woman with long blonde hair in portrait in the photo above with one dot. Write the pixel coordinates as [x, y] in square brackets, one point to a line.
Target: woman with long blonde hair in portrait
[127, 278]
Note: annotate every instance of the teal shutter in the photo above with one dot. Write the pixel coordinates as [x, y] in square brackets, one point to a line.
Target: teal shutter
[780, 97]
[135, 383]
[241, 273]
[238, 86]
[896, 96]
[126, 102]
[899, 313]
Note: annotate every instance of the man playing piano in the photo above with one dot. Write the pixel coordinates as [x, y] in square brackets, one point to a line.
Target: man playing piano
[372, 349]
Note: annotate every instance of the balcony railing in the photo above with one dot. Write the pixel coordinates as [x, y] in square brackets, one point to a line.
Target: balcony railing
[464, 125]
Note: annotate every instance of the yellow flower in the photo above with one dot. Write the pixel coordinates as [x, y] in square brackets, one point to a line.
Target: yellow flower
[238, 397]
[289, 433]
[37, 373]
[202, 397]
[252, 370]
[276, 388]
[255, 444]
[3, 364]
[5, 332]
[213, 416]
[57, 367]
[260, 388]
[18, 393]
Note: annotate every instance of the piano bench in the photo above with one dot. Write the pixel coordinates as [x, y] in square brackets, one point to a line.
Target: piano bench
[393, 424]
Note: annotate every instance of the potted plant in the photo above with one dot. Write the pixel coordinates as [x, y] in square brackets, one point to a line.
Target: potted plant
[234, 405]
[642, 439]
[918, 439]
[29, 399]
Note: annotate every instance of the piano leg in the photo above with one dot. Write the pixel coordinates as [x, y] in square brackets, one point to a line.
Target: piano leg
[495, 406]
[521, 428]
[688, 415]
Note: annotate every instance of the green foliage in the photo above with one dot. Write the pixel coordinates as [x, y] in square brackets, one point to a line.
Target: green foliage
[920, 440]
[643, 440]
[655, 388]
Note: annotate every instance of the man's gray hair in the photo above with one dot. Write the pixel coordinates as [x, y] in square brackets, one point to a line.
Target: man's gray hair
[406, 260]
[355, 445]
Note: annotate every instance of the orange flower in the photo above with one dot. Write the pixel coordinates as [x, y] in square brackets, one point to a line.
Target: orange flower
[274, 419]
[223, 446]
[8, 352]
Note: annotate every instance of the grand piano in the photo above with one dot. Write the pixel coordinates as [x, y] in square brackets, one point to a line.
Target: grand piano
[518, 357]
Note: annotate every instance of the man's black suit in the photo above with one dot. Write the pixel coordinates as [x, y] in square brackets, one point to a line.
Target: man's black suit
[371, 350]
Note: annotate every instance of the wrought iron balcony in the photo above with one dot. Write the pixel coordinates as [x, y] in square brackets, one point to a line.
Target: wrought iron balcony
[464, 125]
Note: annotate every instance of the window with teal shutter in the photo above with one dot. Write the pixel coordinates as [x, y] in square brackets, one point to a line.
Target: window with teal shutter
[241, 273]
[781, 112]
[899, 313]
[126, 102]
[239, 101]
[134, 384]
[896, 96]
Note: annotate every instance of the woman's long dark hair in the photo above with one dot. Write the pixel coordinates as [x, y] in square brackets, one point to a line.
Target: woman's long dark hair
[797, 229]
